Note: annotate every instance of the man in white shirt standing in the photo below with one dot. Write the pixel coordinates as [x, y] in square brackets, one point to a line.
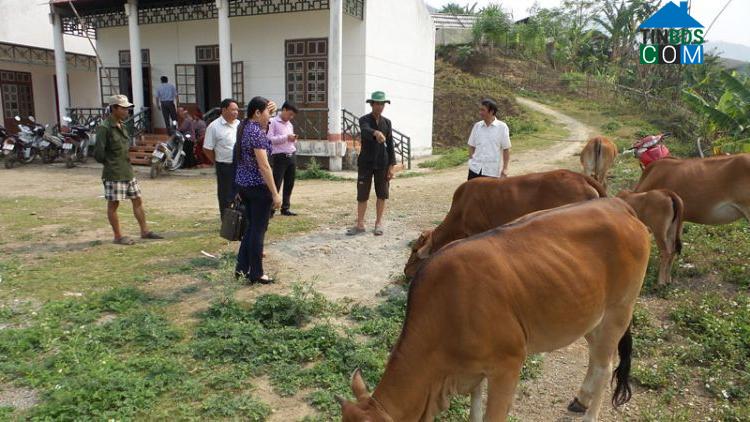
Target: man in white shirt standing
[218, 146]
[489, 144]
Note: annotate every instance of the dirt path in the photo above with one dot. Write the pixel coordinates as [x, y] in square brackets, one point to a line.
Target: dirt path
[359, 267]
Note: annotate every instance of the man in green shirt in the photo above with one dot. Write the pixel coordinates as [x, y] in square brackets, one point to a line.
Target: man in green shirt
[111, 149]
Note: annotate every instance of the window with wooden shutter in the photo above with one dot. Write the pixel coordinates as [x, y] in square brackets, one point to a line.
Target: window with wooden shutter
[307, 72]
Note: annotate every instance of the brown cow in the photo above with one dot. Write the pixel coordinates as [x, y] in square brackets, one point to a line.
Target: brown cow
[597, 157]
[479, 306]
[485, 203]
[714, 190]
[661, 211]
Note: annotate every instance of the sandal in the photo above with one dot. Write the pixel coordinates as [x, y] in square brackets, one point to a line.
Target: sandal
[378, 231]
[353, 231]
[264, 280]
[151, 235]
[124, 240]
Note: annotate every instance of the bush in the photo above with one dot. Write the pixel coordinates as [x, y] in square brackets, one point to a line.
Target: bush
[314, 172]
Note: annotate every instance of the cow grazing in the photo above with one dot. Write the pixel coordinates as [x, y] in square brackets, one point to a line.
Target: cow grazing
[597, 157]
[713, 190]
[479, 306]
[661, 211]
[485, 203]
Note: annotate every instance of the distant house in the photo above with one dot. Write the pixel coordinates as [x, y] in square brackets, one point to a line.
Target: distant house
[326, 56]
[672, 16]
[28, 85]
[453, 29]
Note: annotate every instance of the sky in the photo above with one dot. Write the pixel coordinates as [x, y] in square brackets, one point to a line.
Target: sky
[731, 26]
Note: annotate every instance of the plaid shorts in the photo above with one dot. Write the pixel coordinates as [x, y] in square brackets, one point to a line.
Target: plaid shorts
[122, 189]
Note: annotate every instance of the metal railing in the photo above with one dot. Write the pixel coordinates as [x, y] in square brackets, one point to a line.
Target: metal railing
[402, 144]
[138, 123]
[351, 131]
[84, 116]
[312, 124]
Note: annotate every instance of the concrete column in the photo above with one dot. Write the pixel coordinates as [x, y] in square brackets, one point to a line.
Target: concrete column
[335, 46]
[136, 62]
[61, 68]
[225, 49]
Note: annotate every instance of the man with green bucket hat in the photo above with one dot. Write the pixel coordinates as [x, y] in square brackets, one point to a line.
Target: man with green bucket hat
[376, 160]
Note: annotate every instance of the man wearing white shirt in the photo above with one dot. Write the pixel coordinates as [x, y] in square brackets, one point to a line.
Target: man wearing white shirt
[218, 146]
[489, 144]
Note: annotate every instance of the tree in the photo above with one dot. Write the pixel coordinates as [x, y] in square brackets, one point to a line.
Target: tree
[457, 9]
[492, 27]
[620, 21]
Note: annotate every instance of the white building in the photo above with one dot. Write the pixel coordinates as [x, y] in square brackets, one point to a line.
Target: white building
[326, 56]
[27, 65]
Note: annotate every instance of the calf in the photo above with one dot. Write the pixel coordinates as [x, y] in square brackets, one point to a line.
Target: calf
[597, 157]
[661, 211]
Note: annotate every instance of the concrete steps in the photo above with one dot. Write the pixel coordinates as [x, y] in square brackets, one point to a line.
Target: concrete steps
[140, 154]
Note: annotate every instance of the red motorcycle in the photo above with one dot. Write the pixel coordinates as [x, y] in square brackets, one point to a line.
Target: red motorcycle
[650, 149]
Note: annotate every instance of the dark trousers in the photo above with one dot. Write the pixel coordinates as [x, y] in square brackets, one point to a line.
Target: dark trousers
[225, 185]
[169, 111]
[473, 175]
[258, 204]
[284, 170]
[189, 148]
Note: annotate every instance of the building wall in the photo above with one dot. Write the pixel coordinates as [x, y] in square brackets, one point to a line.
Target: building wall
[453, 36]
[258, 41]
[26, 22]
[80, 84]
[400, 60]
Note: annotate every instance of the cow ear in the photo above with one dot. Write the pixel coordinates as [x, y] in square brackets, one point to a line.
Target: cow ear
[359, 388]
[426, 249]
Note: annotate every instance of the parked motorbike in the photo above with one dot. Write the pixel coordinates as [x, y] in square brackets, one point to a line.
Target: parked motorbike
[50, 144]
[21, 148]
[76, 143]
[650, 148]
[169, 155]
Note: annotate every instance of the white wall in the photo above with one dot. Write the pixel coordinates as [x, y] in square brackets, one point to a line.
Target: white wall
[401, 61]
[26, 22]
[258, 41]
[43, 89]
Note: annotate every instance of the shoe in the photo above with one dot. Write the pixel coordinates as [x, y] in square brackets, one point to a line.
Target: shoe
[353, 231]
[288, 213]
[264, 280]
[378, 231]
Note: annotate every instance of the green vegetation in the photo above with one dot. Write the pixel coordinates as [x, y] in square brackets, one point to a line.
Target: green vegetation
[315, 172]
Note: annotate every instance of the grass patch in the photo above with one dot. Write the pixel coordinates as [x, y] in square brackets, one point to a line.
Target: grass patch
[315, 172]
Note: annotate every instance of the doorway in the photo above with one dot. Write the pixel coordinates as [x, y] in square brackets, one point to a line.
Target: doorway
[17, 97]
[208, 86]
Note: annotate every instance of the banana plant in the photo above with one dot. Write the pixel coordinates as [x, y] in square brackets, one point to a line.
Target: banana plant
[729, 117]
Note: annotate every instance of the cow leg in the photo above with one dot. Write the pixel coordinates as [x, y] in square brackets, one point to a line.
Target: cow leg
[582, 400]
[666, 261]
[501, 388]
[603, 348]
[476, 414]
[744, 210]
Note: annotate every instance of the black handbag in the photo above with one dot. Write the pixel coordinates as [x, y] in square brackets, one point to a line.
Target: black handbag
[233, 222]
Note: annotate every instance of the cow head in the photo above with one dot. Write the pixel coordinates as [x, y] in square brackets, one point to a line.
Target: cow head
[420, 251]
[365, 409]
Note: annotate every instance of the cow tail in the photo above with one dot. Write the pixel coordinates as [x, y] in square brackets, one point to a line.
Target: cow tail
[597, 156]
[596, 186]
[676, 227]
[621, 374]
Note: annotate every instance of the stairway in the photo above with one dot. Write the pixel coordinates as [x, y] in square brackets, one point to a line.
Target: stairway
[140, 154]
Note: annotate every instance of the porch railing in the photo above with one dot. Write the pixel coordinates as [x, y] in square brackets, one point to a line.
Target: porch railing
[312, 124]
[84, 116]
[138, 123]
[351, 131]
[402, 144]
